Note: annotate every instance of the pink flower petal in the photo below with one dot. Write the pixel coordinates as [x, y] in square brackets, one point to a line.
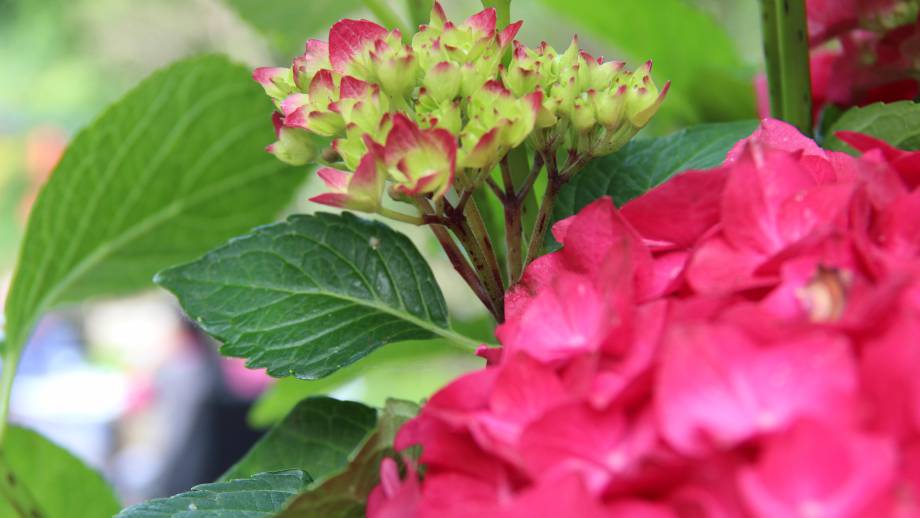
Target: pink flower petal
[815, 470]
[349, 38]
[483, 23]
[716, 388]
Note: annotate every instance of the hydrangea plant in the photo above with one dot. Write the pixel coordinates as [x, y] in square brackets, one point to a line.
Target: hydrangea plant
[399, 125]
[722, 323]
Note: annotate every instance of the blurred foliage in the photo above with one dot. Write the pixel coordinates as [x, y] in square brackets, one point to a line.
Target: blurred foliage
[33, 471]
[287, 24]
[897, 123]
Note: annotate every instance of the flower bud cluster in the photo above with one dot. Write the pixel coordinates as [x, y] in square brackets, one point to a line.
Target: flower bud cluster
[419, 115]
[593, 106]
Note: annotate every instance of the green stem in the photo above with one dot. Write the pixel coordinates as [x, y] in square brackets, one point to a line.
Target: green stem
[457, 260]
[535, 247]
[400, 216]
[524, 174]
[10, 362]
[785, 41]
[491, 273]
[387, 16]
[513, 228]
[419, 11]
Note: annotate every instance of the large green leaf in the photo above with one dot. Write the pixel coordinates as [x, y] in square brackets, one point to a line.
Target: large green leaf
[688, 47]
[313, 294]
[39, 478]
[644, 163]
[896, 123]
[174, 168]
[318, 437]
[289, 23]
[344, 495]
[261, 496]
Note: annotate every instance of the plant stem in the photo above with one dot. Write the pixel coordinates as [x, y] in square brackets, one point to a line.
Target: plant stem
[10, 362]
[492, 276]
[535, 247]
[502, 11]
[387, 16]
[399, 216]
[524, 175]
[419, 11]
[785, 42]
[457, 260]
[513, 229]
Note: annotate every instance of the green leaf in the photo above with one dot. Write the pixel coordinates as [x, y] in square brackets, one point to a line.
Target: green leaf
[289, 23]
[174, 168]
[39, 478]
[688, 47]
[311, 295]
[896, 123]
[433, 363]
[644, 163]
[261, 496]
[344, 495]
[317, 437]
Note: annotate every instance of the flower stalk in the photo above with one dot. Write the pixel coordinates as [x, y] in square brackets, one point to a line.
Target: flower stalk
[785, 43]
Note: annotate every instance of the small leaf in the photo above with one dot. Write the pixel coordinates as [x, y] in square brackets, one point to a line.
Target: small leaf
[896, 123]
[644, 163]
[311, 295]
[171, 170]
[39, 478]
[318, 436]
[344, 495]
[289, 23]
[261, 496]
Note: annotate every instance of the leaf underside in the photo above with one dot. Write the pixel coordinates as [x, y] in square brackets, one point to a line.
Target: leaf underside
[260, 496]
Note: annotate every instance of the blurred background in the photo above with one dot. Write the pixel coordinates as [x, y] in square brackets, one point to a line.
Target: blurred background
[129, 386]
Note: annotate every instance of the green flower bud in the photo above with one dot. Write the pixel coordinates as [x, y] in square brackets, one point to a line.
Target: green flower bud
[583, 119]
[277, 82]
[294, 145]
[643, 98]
[610, 107]
[442, 81]
[361, 105]
[396, 68]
